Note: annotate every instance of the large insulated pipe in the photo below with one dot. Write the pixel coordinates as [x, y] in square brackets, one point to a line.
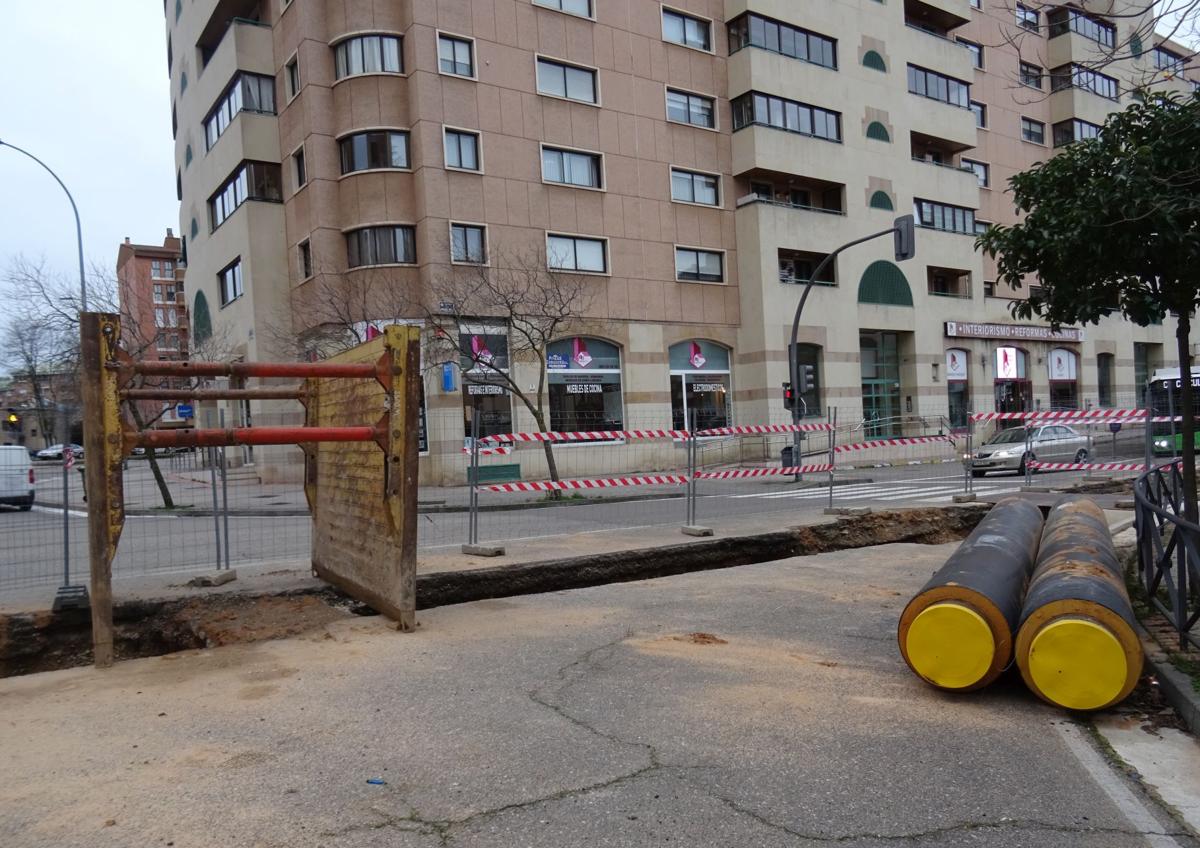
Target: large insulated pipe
[1077, 646]
[957, 633]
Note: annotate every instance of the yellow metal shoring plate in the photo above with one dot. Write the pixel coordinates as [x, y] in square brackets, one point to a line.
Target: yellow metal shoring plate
[1077, 663]
[950, 645]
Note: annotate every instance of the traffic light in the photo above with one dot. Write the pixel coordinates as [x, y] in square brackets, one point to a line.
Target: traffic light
[808, 378]
[12, 421]
[905, 238]
[788, 400]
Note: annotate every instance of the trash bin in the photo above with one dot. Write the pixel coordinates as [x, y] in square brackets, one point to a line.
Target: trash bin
[785, 458]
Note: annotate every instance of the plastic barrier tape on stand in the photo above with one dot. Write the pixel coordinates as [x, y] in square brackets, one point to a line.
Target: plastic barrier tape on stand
[1078, 646]
[957, 633]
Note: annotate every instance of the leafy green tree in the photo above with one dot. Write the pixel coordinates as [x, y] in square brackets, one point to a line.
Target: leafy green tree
[1113, 224]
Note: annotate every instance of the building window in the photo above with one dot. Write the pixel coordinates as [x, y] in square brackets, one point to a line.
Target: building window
[584, 380]
[981, 227]
[462, 150]
[575, 253]
[393, 245]
[291, 77]
[1104, 378]
[300, 171]
[1063, 20]
[374, 150]
[1027, 18]
[1030, 75]
[1077, 76]
[958, 386]
[570, 167]
[937, 86]
[679, 28]
[229, 282]
[162, 269]
[943, 216]
[583, 8]
[183, 81]
[693, 187]
[798, 266]
[705, 266]
[980, 112]
[977, 4]
[468, 244]
[569, 81]
[694, 109]
[1069, 132]
[455, 56]
[700, 395]
[1034, 131]
[305, 256]
[948, 282]
[1166, 60]
[1062, 367]
[251, 181]
[247, 93]
[367, 54]
[771, 111]
[752, 30]
[976, 51]
[981, 169]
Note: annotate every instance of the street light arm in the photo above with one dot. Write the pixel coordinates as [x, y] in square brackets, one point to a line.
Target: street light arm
[78, 228]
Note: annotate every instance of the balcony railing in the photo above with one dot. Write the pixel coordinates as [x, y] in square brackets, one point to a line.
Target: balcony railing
[754, 198]
[950, 165]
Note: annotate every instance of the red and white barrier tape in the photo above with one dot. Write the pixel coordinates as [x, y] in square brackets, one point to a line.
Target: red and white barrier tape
[602, 483]
[757, 429]
[1062, 415]
[1088, 466]
[887, 443]
[587, 436]
[760, 472]
[502, 450]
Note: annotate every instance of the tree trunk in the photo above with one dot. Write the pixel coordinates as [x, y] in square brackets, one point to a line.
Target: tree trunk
[1188, 422]
[163, 489]
[548, 448]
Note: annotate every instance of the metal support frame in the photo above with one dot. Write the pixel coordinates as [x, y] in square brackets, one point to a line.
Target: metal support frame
[832, 418]
[1168, 548]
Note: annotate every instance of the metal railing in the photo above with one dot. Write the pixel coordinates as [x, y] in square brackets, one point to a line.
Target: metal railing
[1168, 548]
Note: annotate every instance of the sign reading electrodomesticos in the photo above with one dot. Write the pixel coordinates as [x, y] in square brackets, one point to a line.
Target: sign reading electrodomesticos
[974, 330]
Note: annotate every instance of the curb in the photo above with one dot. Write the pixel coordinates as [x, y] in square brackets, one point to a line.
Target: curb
[1176, 686]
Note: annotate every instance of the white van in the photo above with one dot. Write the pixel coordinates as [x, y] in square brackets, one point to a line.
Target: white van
[16, 477]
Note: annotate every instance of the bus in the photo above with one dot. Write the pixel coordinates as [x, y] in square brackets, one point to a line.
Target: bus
[1163, 397]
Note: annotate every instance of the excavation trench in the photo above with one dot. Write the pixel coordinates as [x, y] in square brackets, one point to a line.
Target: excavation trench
[44, 641]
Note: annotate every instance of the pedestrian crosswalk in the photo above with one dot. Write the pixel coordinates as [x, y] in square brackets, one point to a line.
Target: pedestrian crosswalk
[928, 491]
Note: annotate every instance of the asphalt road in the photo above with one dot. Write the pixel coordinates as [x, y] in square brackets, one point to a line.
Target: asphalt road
[31, 543]
[765, 705]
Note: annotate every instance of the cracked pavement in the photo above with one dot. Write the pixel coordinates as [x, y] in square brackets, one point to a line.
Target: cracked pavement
[764, 705]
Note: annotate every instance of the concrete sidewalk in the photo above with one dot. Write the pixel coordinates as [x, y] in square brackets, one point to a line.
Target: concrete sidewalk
[763, 705]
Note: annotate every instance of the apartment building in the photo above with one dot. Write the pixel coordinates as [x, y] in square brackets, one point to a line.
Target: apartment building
[154, 312]
[691, 161]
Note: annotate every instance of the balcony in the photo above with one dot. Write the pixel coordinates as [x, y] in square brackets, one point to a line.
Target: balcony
[770, 225]
[953, 126]
[224, 15]
[1071, 102]
[764, 148]
[792, 191]
[936, 51]
[939, 17]
[937, 169]
[948, 282]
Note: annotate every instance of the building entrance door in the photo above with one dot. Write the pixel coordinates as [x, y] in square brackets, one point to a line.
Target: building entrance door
[880, 364]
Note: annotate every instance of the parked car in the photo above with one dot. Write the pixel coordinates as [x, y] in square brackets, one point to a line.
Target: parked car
[56, 451]
[16, 477]
[1006, 450]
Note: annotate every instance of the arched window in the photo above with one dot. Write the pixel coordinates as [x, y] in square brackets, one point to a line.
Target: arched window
[1104, 378]
[874, 61]
[884, 283]
[585, 384]
[483, 359]
[1063, 371]
[201, 319]
[700, 391]
[880, 200]
[195, 229]
[1012, 387]
[878, 131]
[958, 391]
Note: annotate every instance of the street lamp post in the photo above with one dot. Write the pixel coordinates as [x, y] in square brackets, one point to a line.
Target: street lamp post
[83, 301]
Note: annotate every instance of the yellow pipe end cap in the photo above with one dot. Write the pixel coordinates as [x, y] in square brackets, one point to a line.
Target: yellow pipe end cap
[1077, 664]
[950, 645]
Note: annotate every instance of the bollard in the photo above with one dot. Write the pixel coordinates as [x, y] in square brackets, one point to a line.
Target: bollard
[1078, 646]
[957, 633]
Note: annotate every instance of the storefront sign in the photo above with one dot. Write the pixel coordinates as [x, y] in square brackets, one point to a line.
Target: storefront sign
[695, 357]
[707, 387]
[1062, 365]
[971, 330]
[584, 389]
[956, 364]
[485, 389]
[1006, 363]
[556, 362]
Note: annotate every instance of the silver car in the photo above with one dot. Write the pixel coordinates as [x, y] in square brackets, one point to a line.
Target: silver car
[1006, 450]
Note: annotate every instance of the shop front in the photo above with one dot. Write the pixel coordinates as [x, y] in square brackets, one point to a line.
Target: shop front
[1011, 386]
[700, 384]
[1063, 373]
[584, 382]
[484, 362]
[958, 387]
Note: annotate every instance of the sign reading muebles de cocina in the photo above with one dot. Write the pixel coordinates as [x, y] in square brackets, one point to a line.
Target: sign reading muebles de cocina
[973, 330]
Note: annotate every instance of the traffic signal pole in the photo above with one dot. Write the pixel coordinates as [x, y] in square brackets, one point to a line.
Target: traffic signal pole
[905, 248]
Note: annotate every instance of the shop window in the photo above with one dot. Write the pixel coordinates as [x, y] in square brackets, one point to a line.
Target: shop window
[1104, 378]
[484, 362]
[958, 388]
[1062, 367]
[1013, 391]
[584, 379]
[700, 390]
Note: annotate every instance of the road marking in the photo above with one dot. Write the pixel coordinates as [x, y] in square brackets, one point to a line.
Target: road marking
[932, 491]
[1131, 807]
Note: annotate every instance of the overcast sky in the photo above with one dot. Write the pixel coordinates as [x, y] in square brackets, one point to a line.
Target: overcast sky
[84, 87]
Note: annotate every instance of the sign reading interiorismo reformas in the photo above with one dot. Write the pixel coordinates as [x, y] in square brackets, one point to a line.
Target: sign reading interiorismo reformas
[974, 330]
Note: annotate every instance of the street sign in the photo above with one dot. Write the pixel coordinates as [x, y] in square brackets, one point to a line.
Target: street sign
[184, 410]
[1114, 427]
